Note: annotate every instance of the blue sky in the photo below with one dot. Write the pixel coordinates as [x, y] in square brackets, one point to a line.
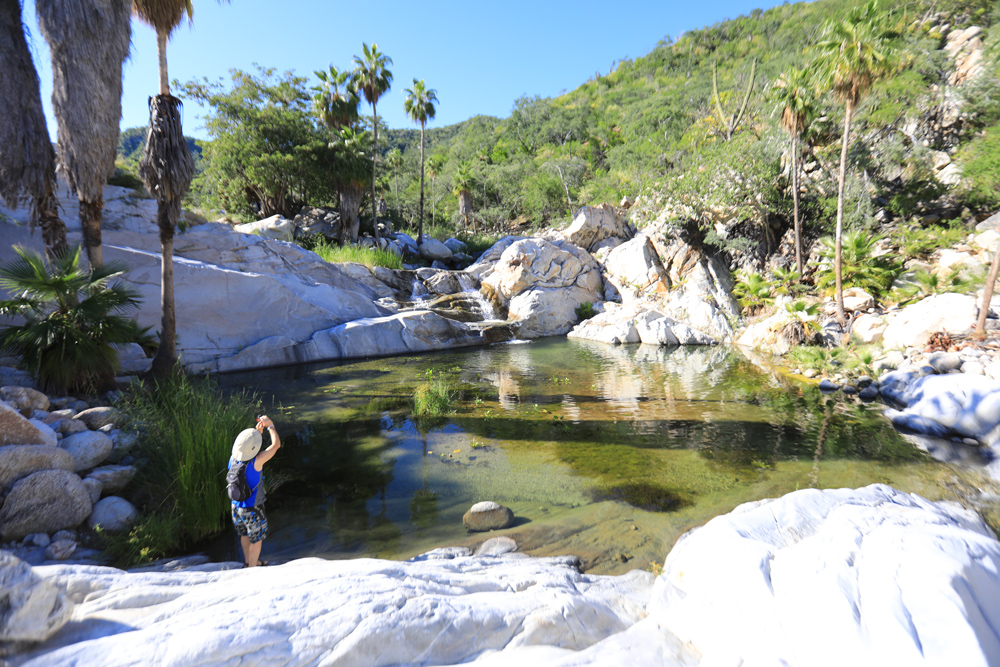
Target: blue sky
[479, 56]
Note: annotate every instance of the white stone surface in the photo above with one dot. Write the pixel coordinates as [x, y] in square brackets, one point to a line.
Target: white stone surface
[31, 608]
[856, 298]
[593, 224]
[276, 227]
[635, 270]
[113, 513]
[871, 576]
[869, 328]
[88, 448]
[942, 312]
[433, 249]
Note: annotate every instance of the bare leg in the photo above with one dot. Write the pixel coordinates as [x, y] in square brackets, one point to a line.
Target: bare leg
[253, 554]
[245, 544]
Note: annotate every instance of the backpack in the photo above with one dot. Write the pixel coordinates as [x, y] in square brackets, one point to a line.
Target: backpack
[236, 482]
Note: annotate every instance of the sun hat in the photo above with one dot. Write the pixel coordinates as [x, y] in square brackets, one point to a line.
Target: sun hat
[247, 445]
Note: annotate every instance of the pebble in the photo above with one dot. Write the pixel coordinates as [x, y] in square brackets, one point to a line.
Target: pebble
[810, 373]
[827, 386]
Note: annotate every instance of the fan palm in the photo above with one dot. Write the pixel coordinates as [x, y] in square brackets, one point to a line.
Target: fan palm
[434, 165]
[350, 168]
[371, 72]
[166, 166]
[461, 182]
[29, 163]
[856, 52]
[89, 41]
[794, 93]
[419, 106]
[72, 319]
[336, 98]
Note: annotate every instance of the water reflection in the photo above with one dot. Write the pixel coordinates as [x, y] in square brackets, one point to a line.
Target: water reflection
[547, 428]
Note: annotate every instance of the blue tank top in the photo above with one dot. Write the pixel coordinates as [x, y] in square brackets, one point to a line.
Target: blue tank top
[254, 481]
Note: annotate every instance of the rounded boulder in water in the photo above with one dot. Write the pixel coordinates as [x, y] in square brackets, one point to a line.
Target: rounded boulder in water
[487, 516]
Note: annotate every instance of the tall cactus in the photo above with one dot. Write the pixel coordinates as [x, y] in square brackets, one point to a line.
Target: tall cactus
[733, 121]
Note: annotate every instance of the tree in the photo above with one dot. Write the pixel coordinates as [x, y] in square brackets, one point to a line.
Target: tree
[371, 72]
[267, 155]
[855, 53]
[89, 42]
[461, 182]
[435, 165]
[732, 121]
[72, 319]
[336, 99]
[394, 160]
[29, 163]
[166, 167]
[794, 93]
[350, 148]
[419, 106]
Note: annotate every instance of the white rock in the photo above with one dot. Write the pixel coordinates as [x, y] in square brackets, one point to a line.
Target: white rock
[49, 436]
[434, 250]
[913, 327]
[113, 514]
[455, 245]
[37, 540]
[88, 448]
[276, 227]
[48, 500]
[635, 269]
[95, 418]
[593, 224]
[33, 608]
[943, 405]
[19, 461]
[856, 298]
[60, 549]
[868, 328]
[973, 368]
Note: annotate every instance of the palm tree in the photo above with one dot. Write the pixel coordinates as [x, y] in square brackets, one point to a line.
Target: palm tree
[373, 80]
[350, 168]
[794, 93]
[29, 163]
[419, 106]
[336, 99]
[461, 182]
[73, 318]
[434, 165]
[856, 52]
[394, 160]
[166, 166]
[89, 42]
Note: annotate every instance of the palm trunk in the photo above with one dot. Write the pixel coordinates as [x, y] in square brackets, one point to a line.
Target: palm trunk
[420, 225]
[838, 258]
[167, 214]
[53, 229]
[350, 204]
[374, 161]
[795, 198]
[91, 214]
[984, 309]
[433, 197]
[161, 51]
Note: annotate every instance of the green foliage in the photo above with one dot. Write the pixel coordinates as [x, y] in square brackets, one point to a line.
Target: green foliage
[153, 536]
[920, 241]
[804, 313]
[432, 399]
[753, 292]
[981, 166]
[860, 267]
[267, 155]
[786, 281]
[186, 428]
[73, 319]
[370, 257]
[585, 311]
[926, 284]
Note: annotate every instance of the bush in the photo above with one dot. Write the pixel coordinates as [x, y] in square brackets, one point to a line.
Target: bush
[753, 293]
[585, 311]
[186, 428]
[72, 319]
[981, 166]
[432, 399]
[922, 241]
[370, 257]
[859, 267]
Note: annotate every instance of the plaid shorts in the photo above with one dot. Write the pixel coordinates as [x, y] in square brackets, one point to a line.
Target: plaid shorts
[250, 521]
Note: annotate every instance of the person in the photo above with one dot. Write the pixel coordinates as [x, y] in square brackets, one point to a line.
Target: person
[249, 518]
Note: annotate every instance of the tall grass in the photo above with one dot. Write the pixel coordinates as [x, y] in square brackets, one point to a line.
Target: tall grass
[370, 257]
[432, 399]
[186, 432]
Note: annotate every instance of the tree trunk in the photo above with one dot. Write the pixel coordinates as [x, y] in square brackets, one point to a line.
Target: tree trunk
[433, 197]
[420, 224]
[984, 309]
[167, 214]
[161, 52]
[795, 198]
[838, 257]
[374, 161]
[350, 204]
[91, 213]
[465, 205]
[53, 229]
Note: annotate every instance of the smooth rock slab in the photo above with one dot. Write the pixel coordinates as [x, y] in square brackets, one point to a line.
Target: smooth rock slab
[31, 608]
[45, 501]
[942, 405]
[487, 515]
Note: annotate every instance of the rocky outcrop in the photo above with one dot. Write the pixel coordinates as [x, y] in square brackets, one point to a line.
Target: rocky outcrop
[594, 224]
[951, 313]
[816, 577]
[32, 609]
[276, 227]
[635, 270]
[637, 323]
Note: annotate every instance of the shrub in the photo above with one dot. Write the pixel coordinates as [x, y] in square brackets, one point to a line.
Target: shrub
[981, 166]
[920, 241]
[859, 267]
[72, 319]
[432, 399]
[585, 311]
[370, 257]
[186, 428]
[753, 292]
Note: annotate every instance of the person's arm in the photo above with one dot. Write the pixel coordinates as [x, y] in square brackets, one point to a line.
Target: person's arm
[265, 456]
